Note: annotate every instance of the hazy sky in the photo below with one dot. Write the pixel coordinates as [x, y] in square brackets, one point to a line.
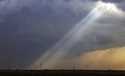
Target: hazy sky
[30, 27]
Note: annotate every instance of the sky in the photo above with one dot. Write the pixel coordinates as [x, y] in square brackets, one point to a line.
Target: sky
[32, 29]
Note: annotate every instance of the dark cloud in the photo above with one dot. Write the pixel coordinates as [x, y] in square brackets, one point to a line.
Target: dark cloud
[29, 27]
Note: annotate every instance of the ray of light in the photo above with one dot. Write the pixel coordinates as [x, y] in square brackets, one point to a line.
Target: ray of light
[53, 55]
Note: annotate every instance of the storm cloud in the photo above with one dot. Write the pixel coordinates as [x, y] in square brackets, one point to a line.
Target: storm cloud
[30, 27]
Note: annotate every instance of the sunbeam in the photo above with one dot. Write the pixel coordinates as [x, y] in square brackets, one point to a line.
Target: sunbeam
[60, 50]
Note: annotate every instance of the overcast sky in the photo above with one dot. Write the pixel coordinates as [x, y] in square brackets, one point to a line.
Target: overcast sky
[30, 27]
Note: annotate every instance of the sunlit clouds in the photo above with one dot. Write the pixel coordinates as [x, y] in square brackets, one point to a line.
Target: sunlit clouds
[107, 59]
[108, 8]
